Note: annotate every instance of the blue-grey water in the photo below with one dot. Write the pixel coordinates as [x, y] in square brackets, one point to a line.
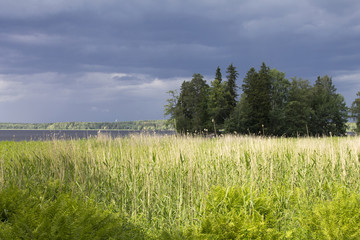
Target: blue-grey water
[45, 135]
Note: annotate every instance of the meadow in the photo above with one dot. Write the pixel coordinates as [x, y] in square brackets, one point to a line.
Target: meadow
[169, 187]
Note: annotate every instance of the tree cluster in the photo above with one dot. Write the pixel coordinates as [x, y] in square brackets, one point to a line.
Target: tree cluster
[355, 110]
[269, 104]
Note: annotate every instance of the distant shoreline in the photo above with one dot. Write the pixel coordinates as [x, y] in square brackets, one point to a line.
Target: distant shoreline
[141, 125]
[46, 135]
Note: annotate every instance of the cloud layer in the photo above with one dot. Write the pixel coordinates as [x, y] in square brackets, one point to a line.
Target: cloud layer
[91, 60]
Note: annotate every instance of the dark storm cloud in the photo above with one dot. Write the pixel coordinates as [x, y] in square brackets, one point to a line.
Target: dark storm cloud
[94, 55]
[171, 35]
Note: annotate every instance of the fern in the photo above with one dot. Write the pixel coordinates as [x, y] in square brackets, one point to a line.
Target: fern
[338, 218]
[26, 216]
[239, 213]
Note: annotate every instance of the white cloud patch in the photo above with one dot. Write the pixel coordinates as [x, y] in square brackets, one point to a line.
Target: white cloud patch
[348, 77]
[347, 83]
[89, 93]
[32, 39]
[10, 91]
[92, 86]
[99, 87]
[33, 86]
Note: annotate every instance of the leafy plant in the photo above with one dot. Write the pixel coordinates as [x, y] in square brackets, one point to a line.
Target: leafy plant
[25, 215]
[338, 218]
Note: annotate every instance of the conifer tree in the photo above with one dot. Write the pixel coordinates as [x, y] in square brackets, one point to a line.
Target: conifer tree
[279, 96]
[230, 89]
[217, 101]
[257, 90]
[190, 112]
[329, 109]
[218, 75]
[238, 120]
[183, 113]
[298, 108]
[355, 110]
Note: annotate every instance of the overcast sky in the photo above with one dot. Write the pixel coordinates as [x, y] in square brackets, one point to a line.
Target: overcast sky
[107, 60]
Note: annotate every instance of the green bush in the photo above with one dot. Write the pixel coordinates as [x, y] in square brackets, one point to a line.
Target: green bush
[239, 213]
[28, 215]
[338, 218]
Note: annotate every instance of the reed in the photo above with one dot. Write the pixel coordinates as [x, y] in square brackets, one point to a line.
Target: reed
[162, 182]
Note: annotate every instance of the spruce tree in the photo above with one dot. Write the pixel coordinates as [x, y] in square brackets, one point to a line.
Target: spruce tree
[199, 102]
[355, 110]
[217, 101]
[238, 120]
[298, 108]
[231, 89]
[190, 112]
[279, 96]
[257, 90]
[329, 109]
[218, 75]
[183, 112]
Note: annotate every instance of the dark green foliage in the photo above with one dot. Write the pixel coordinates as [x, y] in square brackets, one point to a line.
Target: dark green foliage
[231, 89]
[191, 112]
[298, 109]
[200, 108]
[329, 115]
[237, 122]
[279, 98]
[218, 101]
[355, 110]
[269, 105]
[257, 94]
[34, 215]
[218, 75]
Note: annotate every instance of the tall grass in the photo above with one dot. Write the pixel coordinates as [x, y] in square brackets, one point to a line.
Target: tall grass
[167, 182]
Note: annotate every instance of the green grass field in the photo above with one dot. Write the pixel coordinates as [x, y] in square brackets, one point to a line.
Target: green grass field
[168, 187]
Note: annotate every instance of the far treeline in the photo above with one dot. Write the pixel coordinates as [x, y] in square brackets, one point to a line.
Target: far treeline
[269, 105]
[143, 125]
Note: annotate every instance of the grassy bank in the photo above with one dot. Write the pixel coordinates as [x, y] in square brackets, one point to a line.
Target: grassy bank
[142, 125]
[177, 187]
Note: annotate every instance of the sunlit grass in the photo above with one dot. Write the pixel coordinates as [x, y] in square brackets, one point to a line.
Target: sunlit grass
[164, 182]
